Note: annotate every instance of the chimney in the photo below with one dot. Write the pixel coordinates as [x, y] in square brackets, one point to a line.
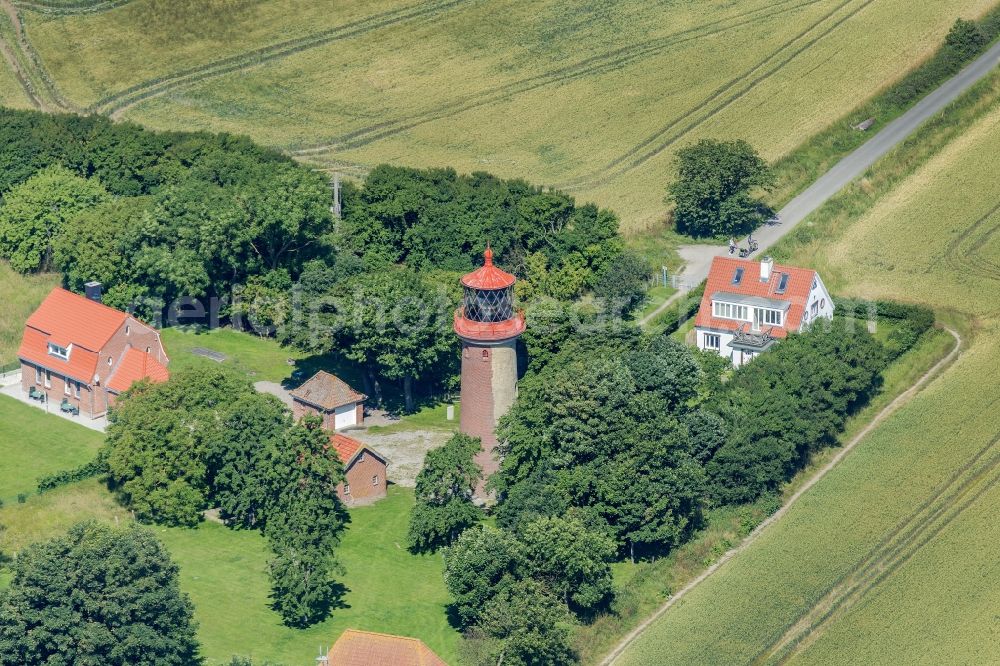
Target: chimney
[766, 266]
[92, 290]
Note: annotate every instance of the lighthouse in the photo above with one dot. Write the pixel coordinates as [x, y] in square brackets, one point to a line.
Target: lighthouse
[489, 327]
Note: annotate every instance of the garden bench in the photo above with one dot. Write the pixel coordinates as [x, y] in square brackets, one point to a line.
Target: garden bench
[69, 408]
[35, 394]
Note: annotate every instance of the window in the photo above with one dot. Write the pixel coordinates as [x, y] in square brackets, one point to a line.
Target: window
[730, 311]
[128, 329]
[822, 303]
[375, 480]
[712, 341]
[109, 360]
[783, 283]
[76, 390]
[48, 379]
[486, 354]
[738, 276]
[361, 456]
[65, 386]
[772, 317]
[347, 489]
[814, 308]
[38, 375]
[59, 352]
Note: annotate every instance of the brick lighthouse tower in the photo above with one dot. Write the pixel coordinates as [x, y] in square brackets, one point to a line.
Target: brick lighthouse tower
[489, 327]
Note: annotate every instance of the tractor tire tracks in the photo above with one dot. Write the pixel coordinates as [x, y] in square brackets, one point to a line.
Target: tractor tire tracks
[948, 502]
[27, 64]
[95, 7]
[900, 400]
[67, 10]
[121, 101]
[666, 136]
[970, 259]
[594, 65]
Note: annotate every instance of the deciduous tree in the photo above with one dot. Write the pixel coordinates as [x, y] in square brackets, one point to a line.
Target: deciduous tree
[97, 595]
[444, 490]
[34, 213]
[481, 562]
[712, 191]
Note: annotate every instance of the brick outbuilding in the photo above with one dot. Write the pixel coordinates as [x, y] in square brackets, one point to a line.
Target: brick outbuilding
[330, 398]
[364, 471]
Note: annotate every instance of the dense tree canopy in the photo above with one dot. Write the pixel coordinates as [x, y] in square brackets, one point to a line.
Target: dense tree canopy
[525, 625]
[585, 433]
[482, 561]
[35, 212]
[206, 438]
[789, 403]
[444, 490]
[160, 439]
[99, 596]
[304, 523]
[712, 191]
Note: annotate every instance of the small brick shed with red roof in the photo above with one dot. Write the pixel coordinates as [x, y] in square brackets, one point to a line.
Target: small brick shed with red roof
[367, 648]
[364, 471]
[80, 351]
[749, 305]
[330, 398]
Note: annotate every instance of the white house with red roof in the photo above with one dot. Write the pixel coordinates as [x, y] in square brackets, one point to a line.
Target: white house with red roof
[749, 305]
[81, 354]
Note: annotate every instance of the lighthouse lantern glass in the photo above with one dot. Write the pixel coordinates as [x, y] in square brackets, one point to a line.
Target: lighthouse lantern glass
[488, 305]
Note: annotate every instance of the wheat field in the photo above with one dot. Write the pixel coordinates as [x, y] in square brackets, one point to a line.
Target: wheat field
[593, 97]
[891, 558]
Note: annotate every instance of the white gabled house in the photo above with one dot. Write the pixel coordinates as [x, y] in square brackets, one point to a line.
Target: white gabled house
[748, 305]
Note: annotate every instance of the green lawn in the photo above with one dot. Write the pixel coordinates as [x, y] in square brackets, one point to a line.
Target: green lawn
[260, 358]
[33, 444]
[224, 571]
[432, 417]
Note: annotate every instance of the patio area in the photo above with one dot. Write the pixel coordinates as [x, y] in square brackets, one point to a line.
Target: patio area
[11, 386]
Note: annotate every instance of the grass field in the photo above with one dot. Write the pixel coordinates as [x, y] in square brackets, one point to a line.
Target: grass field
[224, 571]
[33, 444]
[11, 92]
[602, 93]
[890, 558]
[21, 295]
[260, 358]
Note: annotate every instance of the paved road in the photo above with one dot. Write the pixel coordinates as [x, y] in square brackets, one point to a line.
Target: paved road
[698, 258]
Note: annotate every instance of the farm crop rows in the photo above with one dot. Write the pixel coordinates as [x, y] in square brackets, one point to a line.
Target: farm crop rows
[590, 97]
[889, 558]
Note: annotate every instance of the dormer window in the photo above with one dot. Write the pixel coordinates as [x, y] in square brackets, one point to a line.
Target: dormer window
[128, 329]
[59, 352]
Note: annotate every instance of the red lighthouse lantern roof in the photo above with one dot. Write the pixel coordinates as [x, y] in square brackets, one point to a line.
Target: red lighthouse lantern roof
[489, 276]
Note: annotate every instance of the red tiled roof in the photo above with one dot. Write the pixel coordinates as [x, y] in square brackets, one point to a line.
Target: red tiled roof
[366, 648]
[489, 276]
[73, 319]
[327, 391]
[720, 279]
[66, 319]
[347, 448]
[136, 365]
[82, 363]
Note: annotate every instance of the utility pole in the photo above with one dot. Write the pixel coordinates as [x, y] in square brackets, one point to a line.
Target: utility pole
[335, 209]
